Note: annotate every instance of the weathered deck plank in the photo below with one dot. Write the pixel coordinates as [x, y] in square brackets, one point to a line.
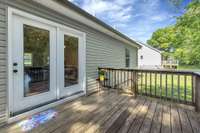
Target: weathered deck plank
[82, 111]
[108, 121]
[117, 113]
[117, 120]
[194, 120]
[148, 119]
[93, 118]
[185, 124]
[175, 120]
[135, 127]
[166, 119]
[83, 119]
[131, 118]
[95, 127]
[157, 120]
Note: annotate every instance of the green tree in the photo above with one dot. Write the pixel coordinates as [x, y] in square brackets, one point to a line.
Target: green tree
[183, 37]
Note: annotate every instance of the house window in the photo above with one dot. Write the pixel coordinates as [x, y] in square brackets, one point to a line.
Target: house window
[141, 57]
[127, 57]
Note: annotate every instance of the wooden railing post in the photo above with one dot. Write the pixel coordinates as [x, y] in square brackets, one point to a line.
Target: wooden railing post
[134, 83]
[197, 93]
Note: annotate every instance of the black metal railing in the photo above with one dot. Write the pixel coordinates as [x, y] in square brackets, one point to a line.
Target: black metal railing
[37, 74]
[178, 86]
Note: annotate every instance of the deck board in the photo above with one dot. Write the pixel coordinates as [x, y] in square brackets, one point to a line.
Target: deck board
[157, 120]
[175, 120]
[80, 113]
[166, 119]
[125, 127]
[185, 124]
[117, 113]
[77, 110]
[148, 119]
[93, 118]
[116, 121]
[194, 120]
[95, 127]
[82, 120]
[135, 126]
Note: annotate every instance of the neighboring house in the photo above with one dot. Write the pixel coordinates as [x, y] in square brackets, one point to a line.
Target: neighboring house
[50, 51]
[149, 57]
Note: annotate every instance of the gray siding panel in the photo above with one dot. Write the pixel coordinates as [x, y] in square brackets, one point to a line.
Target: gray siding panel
[3, 63]
[101, 50]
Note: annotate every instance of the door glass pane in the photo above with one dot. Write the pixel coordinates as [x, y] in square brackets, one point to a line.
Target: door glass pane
[70, 60]
[36, 60]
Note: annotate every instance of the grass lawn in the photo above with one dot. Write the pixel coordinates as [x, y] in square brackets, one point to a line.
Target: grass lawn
[167, 86]
[189, 67]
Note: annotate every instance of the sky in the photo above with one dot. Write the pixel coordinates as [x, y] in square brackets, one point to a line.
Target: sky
[137, 19]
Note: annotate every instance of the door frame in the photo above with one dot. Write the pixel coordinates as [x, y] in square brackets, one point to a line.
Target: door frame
[11, 12]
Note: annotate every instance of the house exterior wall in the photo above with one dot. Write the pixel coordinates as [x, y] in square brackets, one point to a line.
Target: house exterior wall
[151, 58]
[101, 50]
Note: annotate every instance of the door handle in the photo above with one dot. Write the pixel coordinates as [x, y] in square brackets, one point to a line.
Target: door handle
[15, 64]
[15, 71]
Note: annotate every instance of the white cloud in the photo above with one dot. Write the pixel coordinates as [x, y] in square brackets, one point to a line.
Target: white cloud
[158, 18]
[71, 0]
[114, 11]
[161, 17]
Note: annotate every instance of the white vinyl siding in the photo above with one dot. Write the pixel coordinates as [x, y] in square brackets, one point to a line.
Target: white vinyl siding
[3, 62]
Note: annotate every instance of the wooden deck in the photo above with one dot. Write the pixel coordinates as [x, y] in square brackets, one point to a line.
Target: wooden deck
[110, 112]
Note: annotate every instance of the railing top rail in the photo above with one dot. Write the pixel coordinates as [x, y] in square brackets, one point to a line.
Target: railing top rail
[156, 71]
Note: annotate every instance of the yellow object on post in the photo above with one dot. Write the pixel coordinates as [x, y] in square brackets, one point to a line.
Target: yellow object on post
[101, 78]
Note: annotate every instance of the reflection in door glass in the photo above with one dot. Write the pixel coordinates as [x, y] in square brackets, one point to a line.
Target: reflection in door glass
[36, 60]
[70, 60]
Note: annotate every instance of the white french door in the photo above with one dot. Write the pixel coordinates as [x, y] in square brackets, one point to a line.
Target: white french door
[71, 68]
[48, 62]
[34, 63]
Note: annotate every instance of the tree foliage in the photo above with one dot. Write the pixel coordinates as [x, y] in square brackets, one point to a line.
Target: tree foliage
[183, 37]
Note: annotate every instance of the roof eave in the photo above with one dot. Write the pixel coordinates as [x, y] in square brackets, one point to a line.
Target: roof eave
[96, 20]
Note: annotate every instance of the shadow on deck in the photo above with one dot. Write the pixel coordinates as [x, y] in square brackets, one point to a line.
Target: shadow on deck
[109, 111]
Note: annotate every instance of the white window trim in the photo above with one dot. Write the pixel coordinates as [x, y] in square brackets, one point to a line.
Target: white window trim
[12, 11]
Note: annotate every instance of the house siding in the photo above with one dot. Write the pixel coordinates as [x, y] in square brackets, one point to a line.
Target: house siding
[101, 50]
[3, 62]
[148, 54]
